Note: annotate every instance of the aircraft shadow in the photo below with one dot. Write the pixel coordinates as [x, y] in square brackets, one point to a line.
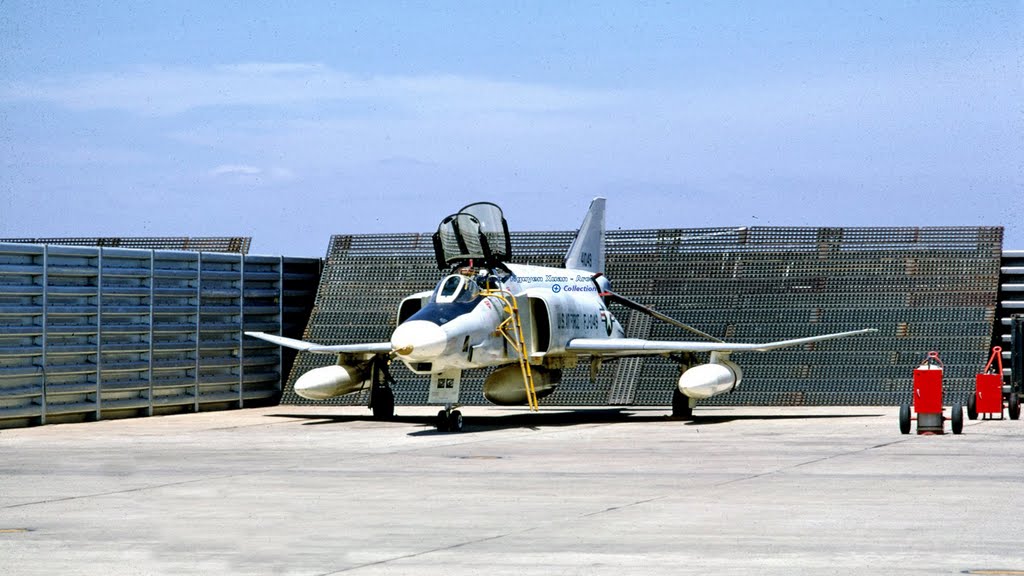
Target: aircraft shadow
[527, 420]
[476, 423]
[321, 419]
[699, 420]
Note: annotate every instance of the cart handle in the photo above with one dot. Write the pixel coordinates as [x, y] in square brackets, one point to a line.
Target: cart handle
[997, 355]
[932, 356]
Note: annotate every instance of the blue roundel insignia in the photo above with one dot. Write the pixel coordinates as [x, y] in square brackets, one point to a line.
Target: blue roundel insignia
[556, 288]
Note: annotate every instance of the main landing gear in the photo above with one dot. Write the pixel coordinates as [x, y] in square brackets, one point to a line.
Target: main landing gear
[449, 420]
[681, 407]
[382, 398]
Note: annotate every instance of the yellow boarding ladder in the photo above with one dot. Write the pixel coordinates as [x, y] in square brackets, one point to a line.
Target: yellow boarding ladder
[512, 329]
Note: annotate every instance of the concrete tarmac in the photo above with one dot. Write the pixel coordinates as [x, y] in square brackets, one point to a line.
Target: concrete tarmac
[316, 491]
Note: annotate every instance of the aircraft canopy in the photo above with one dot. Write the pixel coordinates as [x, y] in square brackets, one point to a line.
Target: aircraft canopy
[477, 232]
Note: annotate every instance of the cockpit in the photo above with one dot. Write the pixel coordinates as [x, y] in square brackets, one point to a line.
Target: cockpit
[455, 288]
[455, 295]
[464, 287]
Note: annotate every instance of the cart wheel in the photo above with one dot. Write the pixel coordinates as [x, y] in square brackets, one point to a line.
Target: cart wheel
[972, 406]
[1014, 407]
[905, 419]
[958, 419]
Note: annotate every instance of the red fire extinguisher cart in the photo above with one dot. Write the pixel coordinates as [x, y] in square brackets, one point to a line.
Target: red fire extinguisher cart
[928, 401]
[987, 399]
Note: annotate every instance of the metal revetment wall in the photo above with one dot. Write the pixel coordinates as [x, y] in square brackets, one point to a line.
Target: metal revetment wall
[89, 333]
[923, 288]
[1011, 303]
[230, 244]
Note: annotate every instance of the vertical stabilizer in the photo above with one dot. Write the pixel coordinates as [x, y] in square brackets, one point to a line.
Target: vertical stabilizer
[587, 250]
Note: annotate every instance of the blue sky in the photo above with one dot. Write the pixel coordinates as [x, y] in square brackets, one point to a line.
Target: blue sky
[290, 122]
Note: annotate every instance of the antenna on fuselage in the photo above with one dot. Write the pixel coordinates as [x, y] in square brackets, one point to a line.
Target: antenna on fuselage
[477, 233]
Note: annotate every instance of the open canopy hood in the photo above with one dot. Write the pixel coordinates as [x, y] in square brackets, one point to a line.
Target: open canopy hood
[478, 232]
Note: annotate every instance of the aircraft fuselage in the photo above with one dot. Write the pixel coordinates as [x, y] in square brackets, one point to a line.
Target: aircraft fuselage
[457, 327]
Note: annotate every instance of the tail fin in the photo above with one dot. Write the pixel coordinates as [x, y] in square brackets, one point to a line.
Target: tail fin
[587, 250]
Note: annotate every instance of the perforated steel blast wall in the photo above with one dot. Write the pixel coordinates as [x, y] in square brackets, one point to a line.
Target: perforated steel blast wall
[1011, 303]
[91, 333]
[922, 288]
[230, 244]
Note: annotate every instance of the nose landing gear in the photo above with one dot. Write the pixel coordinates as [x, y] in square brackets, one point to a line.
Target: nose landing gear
[382, 398]
[449, 420]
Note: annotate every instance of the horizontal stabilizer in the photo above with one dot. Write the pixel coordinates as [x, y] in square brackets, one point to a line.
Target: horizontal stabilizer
[638, 347]
[371, 348]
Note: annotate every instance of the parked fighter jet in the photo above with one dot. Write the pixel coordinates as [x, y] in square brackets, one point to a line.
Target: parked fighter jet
[528, 323]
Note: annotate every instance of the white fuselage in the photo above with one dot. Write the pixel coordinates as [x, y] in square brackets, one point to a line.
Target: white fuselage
[457, 329]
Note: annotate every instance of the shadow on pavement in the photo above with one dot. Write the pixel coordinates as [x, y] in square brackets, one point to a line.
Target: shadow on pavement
[562, 418]
[723, 418]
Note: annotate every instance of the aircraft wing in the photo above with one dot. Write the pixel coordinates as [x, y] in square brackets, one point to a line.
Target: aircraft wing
[371, 348]
[641, 347]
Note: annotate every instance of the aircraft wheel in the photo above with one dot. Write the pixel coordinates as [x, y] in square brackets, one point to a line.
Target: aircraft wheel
[442, 421]
[957, 418]
[383, 403]
[905, 419]
[681, 405]
[972, 407]
[1014, 407]
[455, 421]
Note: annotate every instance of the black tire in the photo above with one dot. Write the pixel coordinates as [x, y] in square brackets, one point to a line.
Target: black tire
[455, 421]
[957, 418]
[1014, 407]
[972, 406]
[383, 403]
[442, 421]
[681, 405]
[905, 419]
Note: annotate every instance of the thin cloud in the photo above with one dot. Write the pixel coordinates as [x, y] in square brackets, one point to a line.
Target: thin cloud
[251, 174]
[236, 170]
[163, 91]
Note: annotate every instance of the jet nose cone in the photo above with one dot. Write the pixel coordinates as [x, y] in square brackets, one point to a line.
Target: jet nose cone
[419, 340]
